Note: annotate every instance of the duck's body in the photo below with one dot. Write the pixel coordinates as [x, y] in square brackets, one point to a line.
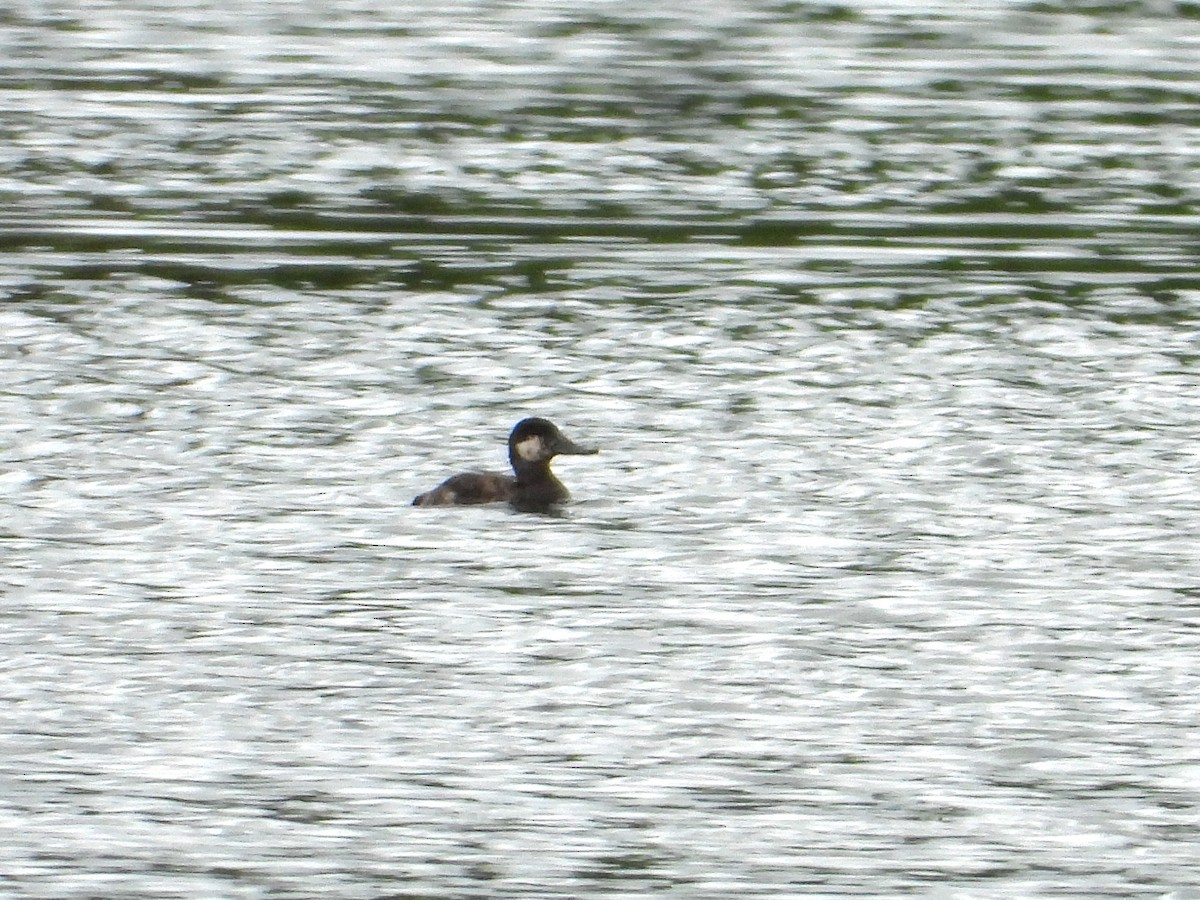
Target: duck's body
[532, 486]
[469, 487]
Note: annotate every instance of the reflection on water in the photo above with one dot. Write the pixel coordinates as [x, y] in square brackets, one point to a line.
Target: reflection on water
[884, 317]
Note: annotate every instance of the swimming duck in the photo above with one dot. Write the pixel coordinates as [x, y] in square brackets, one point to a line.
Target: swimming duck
[532, 486]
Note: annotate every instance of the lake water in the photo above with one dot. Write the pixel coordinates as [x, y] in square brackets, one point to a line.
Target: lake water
[885, 317]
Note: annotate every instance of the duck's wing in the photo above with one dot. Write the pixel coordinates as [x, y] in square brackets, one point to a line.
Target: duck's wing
[469, 487]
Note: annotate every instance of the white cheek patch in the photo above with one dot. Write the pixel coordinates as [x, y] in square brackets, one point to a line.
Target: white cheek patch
[530, 449]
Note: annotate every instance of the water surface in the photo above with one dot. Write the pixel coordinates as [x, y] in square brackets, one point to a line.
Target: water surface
[885, 582]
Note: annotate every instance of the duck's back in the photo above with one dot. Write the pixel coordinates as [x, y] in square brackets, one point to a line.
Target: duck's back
[469, 487]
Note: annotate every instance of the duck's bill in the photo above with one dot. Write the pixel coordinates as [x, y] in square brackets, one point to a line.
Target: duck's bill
[570, 448]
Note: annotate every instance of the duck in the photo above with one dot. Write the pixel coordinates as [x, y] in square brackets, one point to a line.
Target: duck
[532, 487]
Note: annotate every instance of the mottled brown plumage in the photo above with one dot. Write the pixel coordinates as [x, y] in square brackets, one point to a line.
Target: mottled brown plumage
[469, 487]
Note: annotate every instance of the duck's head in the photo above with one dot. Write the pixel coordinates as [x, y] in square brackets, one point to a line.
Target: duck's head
[537, 440]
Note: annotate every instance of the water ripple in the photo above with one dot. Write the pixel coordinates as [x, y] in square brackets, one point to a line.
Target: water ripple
[883, 583]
